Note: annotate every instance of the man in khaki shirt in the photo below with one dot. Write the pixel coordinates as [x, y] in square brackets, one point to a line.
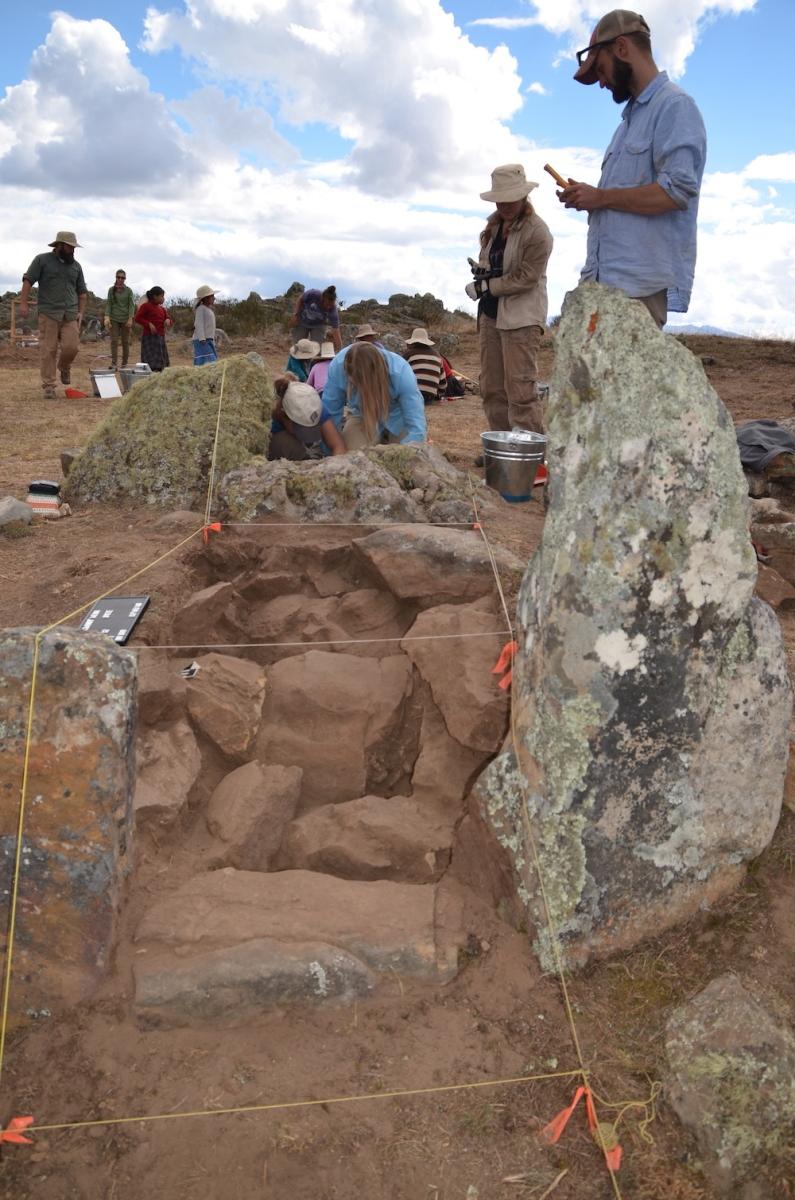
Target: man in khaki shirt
[62, 302]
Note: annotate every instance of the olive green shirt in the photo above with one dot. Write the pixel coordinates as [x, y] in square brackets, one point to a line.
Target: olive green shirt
[120, 306]
[59, 283]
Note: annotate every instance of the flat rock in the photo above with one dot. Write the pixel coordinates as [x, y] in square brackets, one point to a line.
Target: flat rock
[249, 811]
[444, 770]
[730, 1080]
[13, 511]
[237, 983]
[646, 667]
[209, 616]
[341, 719]
[458, 669]
[225, 701]
[432, 565]
[168, 762]
[389, 926]
[371, 838]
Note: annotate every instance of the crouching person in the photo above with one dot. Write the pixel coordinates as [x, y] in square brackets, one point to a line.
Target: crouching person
[382, 396]
[301, 427]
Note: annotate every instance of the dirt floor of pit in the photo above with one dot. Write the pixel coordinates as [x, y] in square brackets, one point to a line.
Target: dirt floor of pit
[498, 1019]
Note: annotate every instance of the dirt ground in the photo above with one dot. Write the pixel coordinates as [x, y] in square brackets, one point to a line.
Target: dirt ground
[499, 1019]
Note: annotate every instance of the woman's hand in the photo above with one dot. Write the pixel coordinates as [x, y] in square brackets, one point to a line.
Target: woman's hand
[152, 328]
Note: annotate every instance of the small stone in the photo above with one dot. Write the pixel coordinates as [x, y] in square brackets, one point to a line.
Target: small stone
[731, 1081]
[13, 510]
[249, 811]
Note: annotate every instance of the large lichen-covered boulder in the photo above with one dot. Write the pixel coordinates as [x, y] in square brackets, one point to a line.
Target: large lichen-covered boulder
[651, 696]
[731, 1080]
[77, 839]
[156, 443]
[411, 482]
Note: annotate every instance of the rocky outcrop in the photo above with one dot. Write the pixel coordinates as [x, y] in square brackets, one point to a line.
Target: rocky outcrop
[156, 443]
[78, 816]
[384, 483]
[651, 696]
[731, 1080]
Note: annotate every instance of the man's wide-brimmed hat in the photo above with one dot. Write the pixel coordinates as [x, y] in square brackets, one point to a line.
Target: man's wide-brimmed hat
[611, 26]
[305, 348]
[203, 292]
[65, 235]
[365, 331]
[508, 182]
[421, 336]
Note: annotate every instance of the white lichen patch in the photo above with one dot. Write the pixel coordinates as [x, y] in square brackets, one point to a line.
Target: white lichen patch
[713, 574]
[619, 652]
[632, 450]
[319, 977]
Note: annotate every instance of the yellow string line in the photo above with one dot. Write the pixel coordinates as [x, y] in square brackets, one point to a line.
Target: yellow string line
[77, 611]
[211, 481]
[12, 913]
[345, 524]
[417, 637]
[551, 926]
[256, 1108]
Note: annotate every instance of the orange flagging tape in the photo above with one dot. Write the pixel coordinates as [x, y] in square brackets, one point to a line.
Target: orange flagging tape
[12, 1134]
[505, 664]
[216, 527]
[604, 1136]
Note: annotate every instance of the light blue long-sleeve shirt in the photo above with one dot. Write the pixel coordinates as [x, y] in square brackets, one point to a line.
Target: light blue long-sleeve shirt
[406, 405]
[661, 139]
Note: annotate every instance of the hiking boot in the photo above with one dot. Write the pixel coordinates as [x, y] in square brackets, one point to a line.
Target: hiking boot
[48, 392]
[478, 460]
[66, 375]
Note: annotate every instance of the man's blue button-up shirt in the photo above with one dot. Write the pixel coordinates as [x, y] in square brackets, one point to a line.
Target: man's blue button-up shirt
[661, 139]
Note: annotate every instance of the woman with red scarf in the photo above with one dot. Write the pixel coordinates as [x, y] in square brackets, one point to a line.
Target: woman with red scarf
[154, 320]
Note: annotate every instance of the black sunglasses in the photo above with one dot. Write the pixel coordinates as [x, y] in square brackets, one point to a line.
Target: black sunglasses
[581, 54]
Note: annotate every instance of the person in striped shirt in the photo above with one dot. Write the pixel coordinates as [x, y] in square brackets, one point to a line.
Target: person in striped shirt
[426, 363]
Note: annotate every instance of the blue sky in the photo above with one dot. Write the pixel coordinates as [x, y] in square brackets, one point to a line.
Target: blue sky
[252, 143]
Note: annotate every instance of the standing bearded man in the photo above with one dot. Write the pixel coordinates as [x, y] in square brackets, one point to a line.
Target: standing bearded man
[62, 302]
[642, 216]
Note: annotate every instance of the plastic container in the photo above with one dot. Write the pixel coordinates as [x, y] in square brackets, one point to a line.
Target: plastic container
[511, 458]
[131, 375]
[96, 373]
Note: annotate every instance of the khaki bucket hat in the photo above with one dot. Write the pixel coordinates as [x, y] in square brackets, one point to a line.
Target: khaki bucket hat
[508, 183]
[304, 348]
[365, 331]
[66, 236]
[612, 25]
[420, 336]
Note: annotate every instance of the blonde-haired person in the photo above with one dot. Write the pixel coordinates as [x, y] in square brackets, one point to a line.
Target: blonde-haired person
[381, 393]
[301, 427]
[511, 286]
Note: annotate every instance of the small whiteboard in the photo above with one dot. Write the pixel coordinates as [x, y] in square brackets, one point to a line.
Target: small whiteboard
[107, 386]
[116, 616]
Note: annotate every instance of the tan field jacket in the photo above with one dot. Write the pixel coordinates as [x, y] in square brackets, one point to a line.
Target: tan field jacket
[522, 287]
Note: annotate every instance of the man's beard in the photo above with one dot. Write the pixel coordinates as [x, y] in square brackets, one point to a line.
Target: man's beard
[66, 255]
[622, 80]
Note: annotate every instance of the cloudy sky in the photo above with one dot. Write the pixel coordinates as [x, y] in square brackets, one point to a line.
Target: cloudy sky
[249, 143]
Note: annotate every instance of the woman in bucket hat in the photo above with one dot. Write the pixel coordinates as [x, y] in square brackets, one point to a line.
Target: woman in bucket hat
[319, 373]
[510, 285]
[301, 355]
[204, 350]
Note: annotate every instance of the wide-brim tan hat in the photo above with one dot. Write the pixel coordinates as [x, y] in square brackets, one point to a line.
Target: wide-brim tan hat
[304, 348]
[365, 331]
[420, 336]
[66, 236]
[203, 292]
[302, 404]
[612, 25]
[508, 182]
[326, 351]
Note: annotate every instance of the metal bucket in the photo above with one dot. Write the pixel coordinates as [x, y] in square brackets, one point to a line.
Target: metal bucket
[95, 374]
[512, 458]
[131, 375]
